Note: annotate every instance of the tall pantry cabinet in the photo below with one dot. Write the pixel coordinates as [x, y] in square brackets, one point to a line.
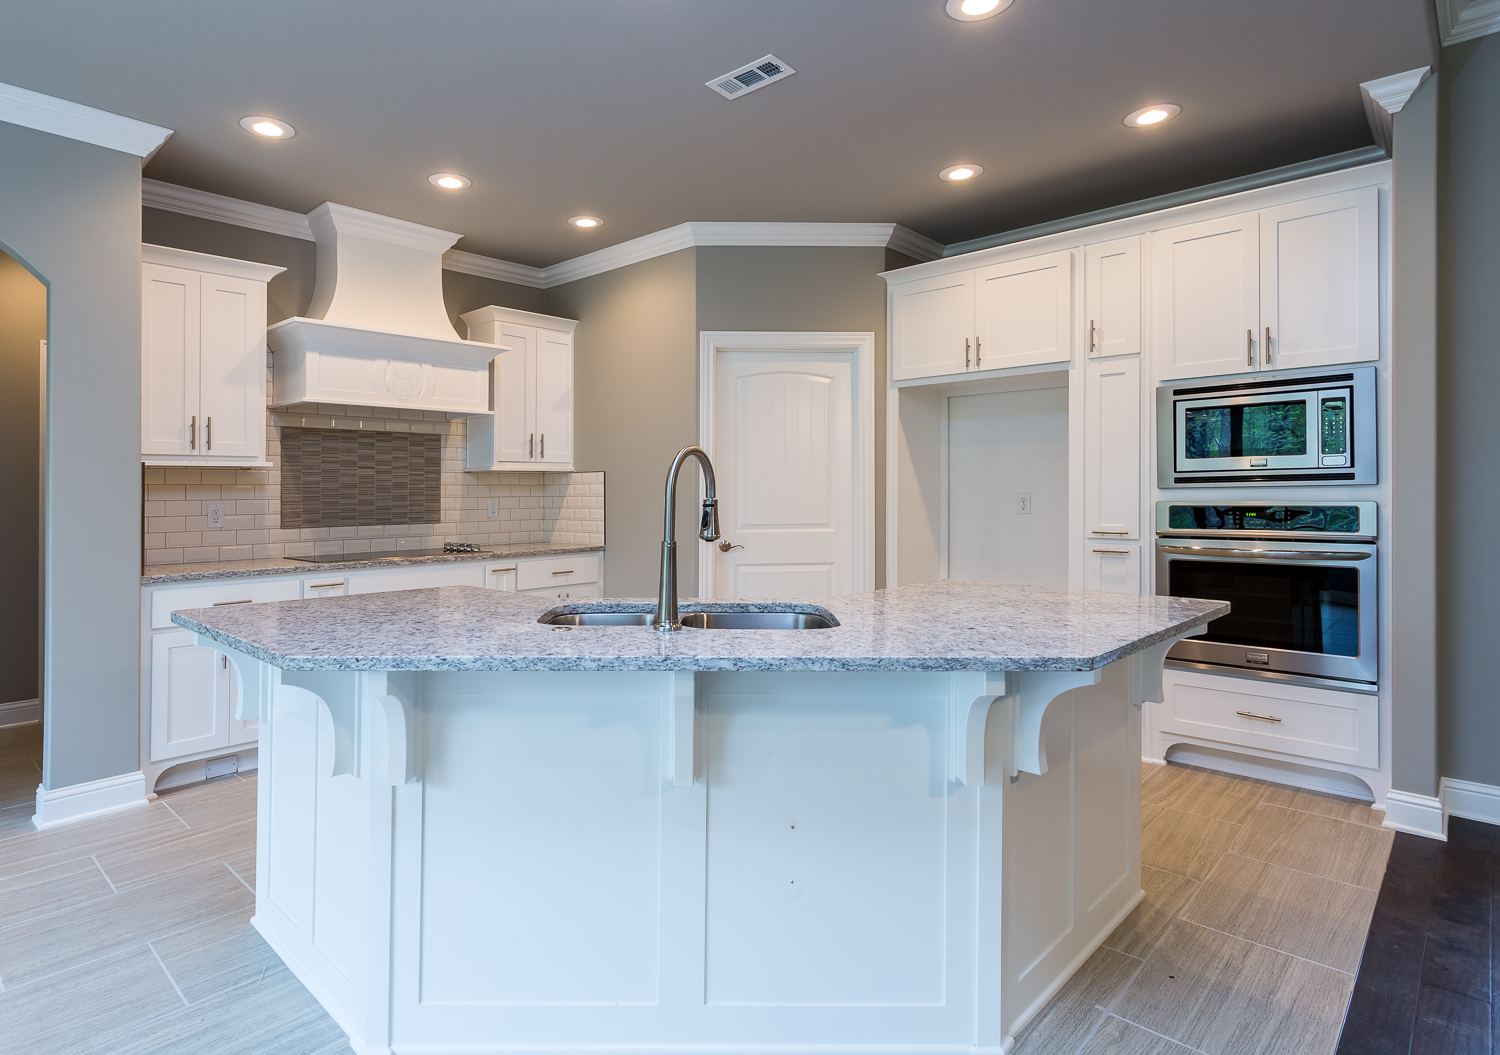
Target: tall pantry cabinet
[203, 358]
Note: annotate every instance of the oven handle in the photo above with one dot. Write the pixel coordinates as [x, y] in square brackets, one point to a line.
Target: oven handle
[1264, 554]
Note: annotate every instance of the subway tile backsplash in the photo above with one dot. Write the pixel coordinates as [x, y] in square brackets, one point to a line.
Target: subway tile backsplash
[533, 507]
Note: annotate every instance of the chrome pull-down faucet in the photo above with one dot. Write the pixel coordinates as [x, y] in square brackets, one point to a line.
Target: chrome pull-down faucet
[708, 530]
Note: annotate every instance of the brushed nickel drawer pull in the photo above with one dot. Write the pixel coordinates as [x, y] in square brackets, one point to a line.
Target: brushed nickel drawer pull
[193, 433]
[1259, 717]
[1101, 531]
[568, 572]
[221, 604]
[323, 585]
[1119, 551]
[497, 571]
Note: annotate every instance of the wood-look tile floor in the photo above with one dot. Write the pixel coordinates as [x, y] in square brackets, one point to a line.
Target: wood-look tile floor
[130, 934]
[1258, 898]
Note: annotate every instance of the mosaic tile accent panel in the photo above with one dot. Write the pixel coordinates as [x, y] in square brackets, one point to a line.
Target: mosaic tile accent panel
[356, 478]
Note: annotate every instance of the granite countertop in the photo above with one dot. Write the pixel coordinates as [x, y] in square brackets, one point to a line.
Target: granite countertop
[948, 625]
[242, 569]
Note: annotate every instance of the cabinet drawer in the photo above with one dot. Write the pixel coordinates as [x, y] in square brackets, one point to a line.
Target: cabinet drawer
[417, 577]
[568, 593]
[557, 571]
[325, 586]
[1288, 719]
[166, 601]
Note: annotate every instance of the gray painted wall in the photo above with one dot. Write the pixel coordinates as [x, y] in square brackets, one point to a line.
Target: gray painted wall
[1468, 390]
[635, 406]
[71, 213]
[1413, 392]
[23, 326]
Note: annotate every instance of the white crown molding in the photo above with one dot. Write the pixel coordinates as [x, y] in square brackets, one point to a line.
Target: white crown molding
[169, 197]
[170, 256]
[1384, 98]
[1466, 19]
[330, 220]
[20, 106]
[172, 198]
[491, 267]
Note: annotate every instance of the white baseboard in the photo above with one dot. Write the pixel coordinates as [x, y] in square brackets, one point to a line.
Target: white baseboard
[1464, 798]
[1416, 814]
[20, 712]
[96, 797]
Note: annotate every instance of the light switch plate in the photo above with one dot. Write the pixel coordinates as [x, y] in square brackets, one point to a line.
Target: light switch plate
[494, 510]
[1023, 503]
[215, 512]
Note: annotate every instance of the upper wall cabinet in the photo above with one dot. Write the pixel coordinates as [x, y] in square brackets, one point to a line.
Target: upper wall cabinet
[1288, 287]
[1112, 297]
[203, 358]
[532, 391]
[1018, 313]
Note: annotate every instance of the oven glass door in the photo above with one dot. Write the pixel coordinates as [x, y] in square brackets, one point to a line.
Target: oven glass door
[1271, 431]
[1308, 612]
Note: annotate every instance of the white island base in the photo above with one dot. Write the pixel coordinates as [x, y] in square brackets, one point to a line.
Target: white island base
[674, 862]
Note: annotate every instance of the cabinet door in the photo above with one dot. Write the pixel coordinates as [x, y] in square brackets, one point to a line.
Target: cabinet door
[1024, 312]
[500, 577]
[932, 326]
[1112, 297]
[169, 359]
[1112, 449]
[515, 386]
[1207, 296]
[1113, 569]
[245, 731]
[554, 398]
[232, 375]
[189, 696]
[1320, 281]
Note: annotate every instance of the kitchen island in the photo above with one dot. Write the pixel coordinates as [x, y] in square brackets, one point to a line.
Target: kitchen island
[480, 832]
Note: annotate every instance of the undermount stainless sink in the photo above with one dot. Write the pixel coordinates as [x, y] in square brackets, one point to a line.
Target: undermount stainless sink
[700, 620]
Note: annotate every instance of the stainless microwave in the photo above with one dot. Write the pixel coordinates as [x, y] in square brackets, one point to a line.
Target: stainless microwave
[1311, 429]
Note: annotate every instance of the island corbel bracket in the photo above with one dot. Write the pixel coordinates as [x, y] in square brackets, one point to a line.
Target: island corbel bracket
[1146, 669]
[393, 725]
[680, 702]
[974, 693]
[1033, 693]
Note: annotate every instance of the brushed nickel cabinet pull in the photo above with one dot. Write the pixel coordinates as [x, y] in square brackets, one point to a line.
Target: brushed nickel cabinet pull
[193, 433]
[531, 445]
[568, 572]
[1268, 346]
[208, 432]
[496, 571]
[324, 585]
[221, 604]
[1121, 552]
[1259, 717]
[542, 449]
[1249, 347]
[1101, 531]
[966, 353]
[976, 353]
[1093, 346]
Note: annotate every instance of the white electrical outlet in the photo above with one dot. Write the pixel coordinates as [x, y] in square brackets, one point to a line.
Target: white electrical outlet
[1023, 503]
[494, 508]
[215, 514]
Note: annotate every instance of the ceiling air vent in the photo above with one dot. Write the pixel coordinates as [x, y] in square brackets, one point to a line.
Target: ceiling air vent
[751, 76]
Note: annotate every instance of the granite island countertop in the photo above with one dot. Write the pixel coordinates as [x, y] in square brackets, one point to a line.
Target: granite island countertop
[160, 574]
[947, 625]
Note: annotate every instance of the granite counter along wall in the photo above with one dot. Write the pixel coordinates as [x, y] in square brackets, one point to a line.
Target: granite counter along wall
[534, 507]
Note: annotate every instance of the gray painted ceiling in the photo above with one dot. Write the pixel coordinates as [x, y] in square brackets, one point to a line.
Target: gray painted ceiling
[598, 106]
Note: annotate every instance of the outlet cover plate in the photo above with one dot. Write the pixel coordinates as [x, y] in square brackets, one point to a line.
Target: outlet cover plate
[494, 510]
[215, 511]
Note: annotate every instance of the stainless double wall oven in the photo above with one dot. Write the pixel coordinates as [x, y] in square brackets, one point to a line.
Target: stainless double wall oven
[1301, 579]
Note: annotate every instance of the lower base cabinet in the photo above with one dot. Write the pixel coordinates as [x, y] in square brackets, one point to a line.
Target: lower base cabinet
[189, 691]
[1113, 568]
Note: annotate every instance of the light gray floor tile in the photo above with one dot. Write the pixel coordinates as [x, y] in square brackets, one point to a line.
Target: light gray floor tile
[49, 944]
[1118, 1037]
[1305, 915]
[48, 890]
[1166, 893]
[18, 783]
[28, 850]
[228, 800]
[1333, 849]
[1328, 805]
[244, 866]
[16, 820]
[1068, 1017]
[216, 956]
[1225, 996]
[1198, 791]
[1185, 843]
[75, 1008]
[177, 851]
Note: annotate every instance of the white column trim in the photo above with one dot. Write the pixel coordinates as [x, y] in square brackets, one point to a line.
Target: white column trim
[1466, 19]
[90, 799]
[59, 117]
[1384, 98]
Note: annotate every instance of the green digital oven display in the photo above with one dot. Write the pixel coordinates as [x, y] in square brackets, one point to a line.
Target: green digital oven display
[1335, 426]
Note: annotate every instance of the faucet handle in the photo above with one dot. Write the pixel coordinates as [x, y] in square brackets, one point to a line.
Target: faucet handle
[708, 530]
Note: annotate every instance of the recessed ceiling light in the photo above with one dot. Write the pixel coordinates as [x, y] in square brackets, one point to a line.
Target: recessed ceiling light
[1147, 116]
[974, 10]
[450, 180]
[960, 173]
[585, 221]
[268, 127]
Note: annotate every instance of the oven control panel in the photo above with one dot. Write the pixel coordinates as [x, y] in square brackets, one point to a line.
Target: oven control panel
[1343, 520]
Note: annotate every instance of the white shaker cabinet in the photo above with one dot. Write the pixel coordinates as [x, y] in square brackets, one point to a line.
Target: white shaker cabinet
[1112, 449]
[1320, 281]
[531, 390]
[203, 358]
[932, 326]
[1113, 568]
[1206, 278]
[1112, 295]
[1024, 312]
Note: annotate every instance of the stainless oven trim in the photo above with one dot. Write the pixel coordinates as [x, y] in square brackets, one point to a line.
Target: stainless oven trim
[1363, 441]
[1364, 667]
[1368, 525]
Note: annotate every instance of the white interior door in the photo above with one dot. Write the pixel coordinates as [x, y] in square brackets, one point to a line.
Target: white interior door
[784, 451]
[1003, 446]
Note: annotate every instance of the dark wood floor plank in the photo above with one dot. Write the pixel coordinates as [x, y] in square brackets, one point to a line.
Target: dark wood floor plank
[1383, 1008]
[1450, 1024]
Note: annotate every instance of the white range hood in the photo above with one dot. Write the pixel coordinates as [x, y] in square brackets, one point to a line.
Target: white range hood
[378, 333]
